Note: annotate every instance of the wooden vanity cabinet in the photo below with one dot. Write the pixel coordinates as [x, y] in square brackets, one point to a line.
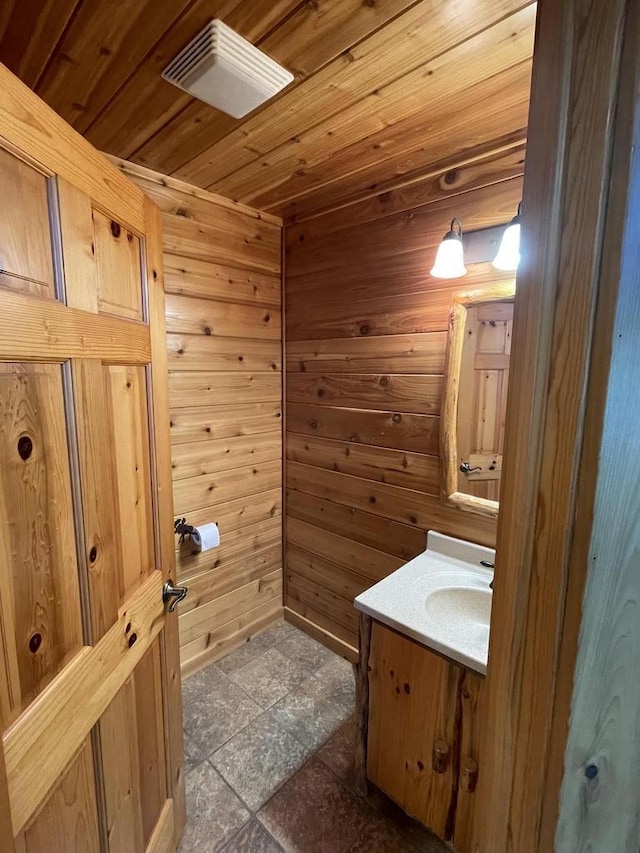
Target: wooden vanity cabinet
[422, 733]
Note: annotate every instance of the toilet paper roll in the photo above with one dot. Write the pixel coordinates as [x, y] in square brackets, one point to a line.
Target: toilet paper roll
[205, 537]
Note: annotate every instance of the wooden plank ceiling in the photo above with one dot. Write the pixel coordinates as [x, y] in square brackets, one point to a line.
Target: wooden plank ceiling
[383, 91]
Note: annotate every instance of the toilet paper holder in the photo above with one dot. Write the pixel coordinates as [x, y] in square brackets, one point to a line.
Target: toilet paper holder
[182, 529]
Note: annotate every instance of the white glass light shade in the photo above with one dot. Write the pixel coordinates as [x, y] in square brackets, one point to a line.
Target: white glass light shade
[449, 259]
[508, 256]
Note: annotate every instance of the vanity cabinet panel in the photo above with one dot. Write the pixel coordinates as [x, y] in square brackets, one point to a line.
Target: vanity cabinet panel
[412, 731]
[423, 732]
[470, 697]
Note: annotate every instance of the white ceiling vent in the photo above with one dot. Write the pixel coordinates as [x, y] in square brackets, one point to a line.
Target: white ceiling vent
[225, 70]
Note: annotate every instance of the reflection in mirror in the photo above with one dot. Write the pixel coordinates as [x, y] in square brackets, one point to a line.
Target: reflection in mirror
[475, 398]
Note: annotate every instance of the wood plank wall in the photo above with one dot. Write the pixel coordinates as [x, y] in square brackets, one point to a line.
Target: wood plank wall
[365, 347]
[222, 266]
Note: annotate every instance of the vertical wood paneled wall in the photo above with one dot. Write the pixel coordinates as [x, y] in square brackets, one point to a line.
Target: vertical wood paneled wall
[222, 265]
[366, 330]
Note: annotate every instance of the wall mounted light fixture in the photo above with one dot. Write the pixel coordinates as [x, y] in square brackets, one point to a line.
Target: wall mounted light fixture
[449, 259]
[508, 256]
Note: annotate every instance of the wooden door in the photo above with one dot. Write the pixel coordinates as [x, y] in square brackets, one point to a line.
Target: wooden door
[482, 400]
[412, 728]
[89, 671]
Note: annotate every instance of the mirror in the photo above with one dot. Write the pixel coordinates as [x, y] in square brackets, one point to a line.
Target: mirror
[475, 397]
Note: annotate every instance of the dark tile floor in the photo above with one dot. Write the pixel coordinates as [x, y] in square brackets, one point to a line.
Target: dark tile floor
[269, 740]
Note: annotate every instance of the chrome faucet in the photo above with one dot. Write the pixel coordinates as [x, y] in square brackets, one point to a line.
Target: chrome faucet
[488, 565]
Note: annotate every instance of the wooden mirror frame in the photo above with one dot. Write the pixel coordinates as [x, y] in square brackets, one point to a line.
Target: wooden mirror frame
[449, 419]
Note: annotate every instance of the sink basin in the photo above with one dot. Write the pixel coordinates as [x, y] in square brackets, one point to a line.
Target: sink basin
[451, 603]
[442, 599]
[460, 614]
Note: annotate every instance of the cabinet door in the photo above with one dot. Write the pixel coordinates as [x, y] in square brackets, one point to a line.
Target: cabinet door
[412, 739]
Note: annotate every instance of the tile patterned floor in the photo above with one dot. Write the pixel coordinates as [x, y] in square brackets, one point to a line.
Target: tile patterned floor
[269, 739]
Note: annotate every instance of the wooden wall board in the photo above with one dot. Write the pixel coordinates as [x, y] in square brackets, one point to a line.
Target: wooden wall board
[223, 485]
[197, 126]
[238, 228]
[192, 239]
[237, 571]
[391, 54]
[415, 393]
[380, 89]
[385, 465]
[335, 613]
[383, 534]
[211, 423]
[225, 391]
[188, 354]
[183, 199]
[184, 276]
[245, 543]
[370, 284]
[393, 502]
[367, 561]
[242, 512]
[366, 333]
[419, 433]
[387, 315]
[399, 234]
[128, 61]
[437, 81]
[394, 353]
[191, 316]
[338, 579]
[189, 461]
[445, 173]
[223, 609]
[337, 644]
[222, 639]
[488, 121]
[223, 388]
[325, 572]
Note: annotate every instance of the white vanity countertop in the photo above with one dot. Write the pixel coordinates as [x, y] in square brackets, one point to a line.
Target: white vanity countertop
[441, 598]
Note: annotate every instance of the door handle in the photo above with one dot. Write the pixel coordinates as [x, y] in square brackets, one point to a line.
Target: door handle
[173, 594]
[466, 468]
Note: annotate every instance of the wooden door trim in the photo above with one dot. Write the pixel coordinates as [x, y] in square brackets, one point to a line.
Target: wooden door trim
[576, 81]
[585, 586]
[449, 417]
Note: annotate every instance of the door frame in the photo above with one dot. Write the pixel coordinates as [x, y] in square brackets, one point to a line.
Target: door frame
[586, 68]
